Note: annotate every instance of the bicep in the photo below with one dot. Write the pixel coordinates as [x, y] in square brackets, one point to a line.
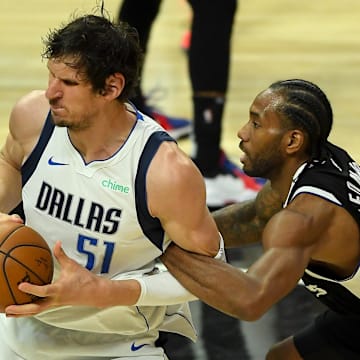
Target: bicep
[176, 195]
[189, 223]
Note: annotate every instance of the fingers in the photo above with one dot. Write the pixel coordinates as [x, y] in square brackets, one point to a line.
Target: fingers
[59, 252]
[60, 255]
[35, 307]
[24, 310]
[13, 217]
[37, 290]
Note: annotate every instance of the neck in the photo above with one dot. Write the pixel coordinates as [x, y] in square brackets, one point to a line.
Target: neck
[282, 180]
[104, 136]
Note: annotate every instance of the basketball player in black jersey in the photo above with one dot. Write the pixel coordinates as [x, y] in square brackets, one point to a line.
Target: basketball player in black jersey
[307, 217]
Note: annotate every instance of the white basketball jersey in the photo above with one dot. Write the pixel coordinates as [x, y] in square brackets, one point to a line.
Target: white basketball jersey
[99, 212]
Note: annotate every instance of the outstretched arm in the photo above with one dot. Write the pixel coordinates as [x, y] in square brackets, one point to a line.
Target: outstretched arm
[289, 240]
[244, 295]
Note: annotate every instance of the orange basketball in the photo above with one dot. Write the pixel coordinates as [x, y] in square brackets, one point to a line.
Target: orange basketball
[24, 257]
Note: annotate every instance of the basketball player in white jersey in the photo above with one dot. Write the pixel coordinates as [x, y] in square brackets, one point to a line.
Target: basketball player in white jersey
[108, 189]
[314, 233]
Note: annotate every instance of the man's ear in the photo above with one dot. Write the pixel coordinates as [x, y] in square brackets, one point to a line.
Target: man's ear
[114, 86]
[295, 141]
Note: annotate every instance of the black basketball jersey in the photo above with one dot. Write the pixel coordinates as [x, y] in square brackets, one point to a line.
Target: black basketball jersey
[335, 179]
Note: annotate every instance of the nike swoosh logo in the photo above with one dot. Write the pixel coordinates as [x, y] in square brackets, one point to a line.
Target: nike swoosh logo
[54, 163]
[136, 347]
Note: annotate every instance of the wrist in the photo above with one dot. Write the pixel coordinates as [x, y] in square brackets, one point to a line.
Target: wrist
[118, 292]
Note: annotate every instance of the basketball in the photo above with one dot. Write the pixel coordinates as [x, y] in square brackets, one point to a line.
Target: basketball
[24, 257]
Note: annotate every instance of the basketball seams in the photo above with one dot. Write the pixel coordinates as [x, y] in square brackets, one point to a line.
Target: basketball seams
[24, 266]
[28, 245]
[24, 245]
[9, 255]
[25, 256]
[9, 234]
[29, 270]
[6, 278]
[8, 282]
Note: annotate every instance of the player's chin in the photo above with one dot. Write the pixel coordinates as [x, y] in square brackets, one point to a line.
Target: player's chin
[59, 121]
[246, 167]
[245, 162]
[249, 170]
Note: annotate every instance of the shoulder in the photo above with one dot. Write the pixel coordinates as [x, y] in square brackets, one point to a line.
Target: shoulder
[27, 119]
[29, 113]
[31, 106]
[174, 164]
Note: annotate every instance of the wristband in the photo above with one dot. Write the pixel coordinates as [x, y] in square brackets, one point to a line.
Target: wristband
[221, 253]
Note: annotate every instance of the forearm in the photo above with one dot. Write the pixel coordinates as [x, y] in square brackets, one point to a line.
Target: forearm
[216, 283]
[156, 288]
[162, 288]
[115, 293]
[10, 186]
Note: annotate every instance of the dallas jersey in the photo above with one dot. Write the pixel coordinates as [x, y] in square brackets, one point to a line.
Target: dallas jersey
[336, 179]
[99, 212]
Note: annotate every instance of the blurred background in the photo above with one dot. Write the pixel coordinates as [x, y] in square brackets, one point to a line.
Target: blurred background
[272, 40]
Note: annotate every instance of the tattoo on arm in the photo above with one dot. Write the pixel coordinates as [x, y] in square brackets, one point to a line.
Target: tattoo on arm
[242, 223]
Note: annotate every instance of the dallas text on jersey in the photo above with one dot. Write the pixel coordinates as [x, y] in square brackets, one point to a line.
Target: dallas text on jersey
[76, 211]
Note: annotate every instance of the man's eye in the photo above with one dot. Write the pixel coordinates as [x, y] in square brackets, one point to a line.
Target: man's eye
[70, 83]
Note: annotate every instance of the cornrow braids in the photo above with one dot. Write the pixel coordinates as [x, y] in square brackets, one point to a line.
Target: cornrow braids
[305, 105]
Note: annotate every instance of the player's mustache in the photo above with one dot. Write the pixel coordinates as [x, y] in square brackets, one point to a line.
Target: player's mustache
[54, 102]
[241, 146]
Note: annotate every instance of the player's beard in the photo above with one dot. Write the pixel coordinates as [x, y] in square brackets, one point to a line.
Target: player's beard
[77, 125]
[265, 164]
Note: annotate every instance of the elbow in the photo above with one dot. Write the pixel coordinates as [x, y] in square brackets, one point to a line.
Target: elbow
[249, 310]
[208, 248]
[252, 314]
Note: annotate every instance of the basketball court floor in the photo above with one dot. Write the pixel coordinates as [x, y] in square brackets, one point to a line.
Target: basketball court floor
[273, 39]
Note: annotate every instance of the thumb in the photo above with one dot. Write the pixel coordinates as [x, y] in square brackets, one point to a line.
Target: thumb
[59, 253]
